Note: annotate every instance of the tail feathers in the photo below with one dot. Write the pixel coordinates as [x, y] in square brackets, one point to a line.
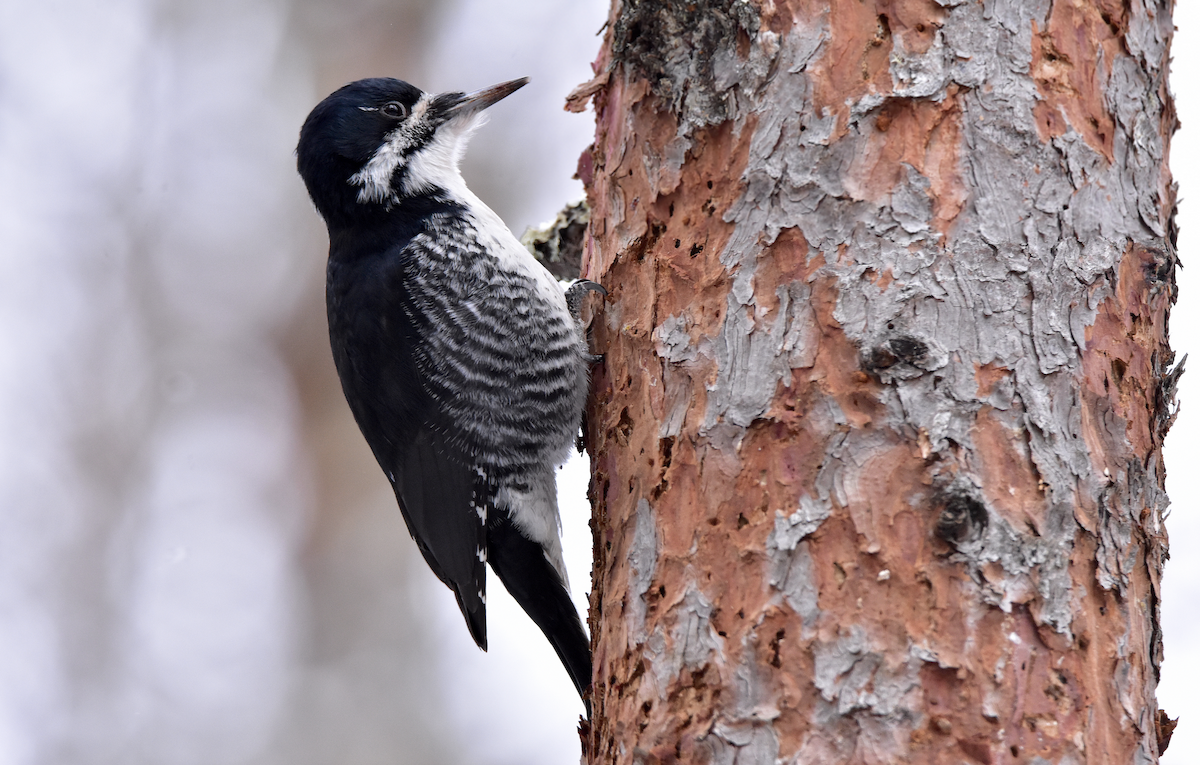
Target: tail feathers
[476, 620]
[537, 587]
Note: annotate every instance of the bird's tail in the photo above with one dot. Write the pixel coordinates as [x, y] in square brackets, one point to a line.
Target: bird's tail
[537, 587]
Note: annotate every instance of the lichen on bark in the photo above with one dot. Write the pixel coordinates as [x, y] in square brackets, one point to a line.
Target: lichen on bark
[887, 370]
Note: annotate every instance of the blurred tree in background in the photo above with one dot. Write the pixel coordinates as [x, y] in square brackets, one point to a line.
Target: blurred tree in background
[199, 562]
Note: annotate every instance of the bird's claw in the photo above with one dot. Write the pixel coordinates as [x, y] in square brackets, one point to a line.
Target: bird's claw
[577, 289]
[588, 284]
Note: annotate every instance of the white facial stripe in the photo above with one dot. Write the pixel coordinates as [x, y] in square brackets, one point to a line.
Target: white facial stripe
[436, 164]
[375, 178]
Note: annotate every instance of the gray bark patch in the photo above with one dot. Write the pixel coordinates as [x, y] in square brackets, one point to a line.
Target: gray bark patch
[643, 560]
[1015, 284]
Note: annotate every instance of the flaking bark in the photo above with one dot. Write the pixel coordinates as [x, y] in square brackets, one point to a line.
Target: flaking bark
[877, 436]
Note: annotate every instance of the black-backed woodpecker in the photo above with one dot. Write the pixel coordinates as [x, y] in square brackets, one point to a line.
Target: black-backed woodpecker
[461, 357]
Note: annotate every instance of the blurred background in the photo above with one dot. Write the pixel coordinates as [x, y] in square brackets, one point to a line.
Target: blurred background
[200, 562]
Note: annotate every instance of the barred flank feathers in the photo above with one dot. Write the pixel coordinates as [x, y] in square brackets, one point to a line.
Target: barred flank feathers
[507, 366]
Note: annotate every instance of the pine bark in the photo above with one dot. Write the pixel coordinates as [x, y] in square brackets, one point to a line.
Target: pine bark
[877, 434]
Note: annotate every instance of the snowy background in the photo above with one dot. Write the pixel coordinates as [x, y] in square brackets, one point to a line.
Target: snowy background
[199, 561]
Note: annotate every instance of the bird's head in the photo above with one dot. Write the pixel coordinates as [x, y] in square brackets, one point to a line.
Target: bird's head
[374, 143]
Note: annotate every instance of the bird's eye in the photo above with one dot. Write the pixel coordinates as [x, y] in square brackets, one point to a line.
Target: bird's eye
[394, 109]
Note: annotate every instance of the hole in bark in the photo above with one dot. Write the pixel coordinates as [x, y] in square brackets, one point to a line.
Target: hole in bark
[671, 210]
[1119, 368]
[647, 707]
[880, 358]
[775, 662]
[677, 244]
[1083, 643]
[741, 614]
[624, 427]
[696, 250]
[921, 28]
[742, 522]
[963, 518]
[909, 348]
[714, 521]
[895, 350]
[883, 30]
[662, 591]
[656, 232]
[1014, 750]
[710, 184]
[666, 446]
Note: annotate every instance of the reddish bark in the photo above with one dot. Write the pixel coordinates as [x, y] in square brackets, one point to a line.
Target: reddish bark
[877, 437]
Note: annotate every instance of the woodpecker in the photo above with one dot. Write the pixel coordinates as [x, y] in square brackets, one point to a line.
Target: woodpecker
[462, 359]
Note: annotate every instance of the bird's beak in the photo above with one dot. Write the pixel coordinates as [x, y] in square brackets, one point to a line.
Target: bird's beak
[473, 103]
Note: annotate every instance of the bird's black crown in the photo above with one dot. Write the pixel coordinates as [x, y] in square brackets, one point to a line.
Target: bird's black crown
[342, 134]
[374, 143]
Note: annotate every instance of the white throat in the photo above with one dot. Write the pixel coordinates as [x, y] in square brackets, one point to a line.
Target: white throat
[432, 166]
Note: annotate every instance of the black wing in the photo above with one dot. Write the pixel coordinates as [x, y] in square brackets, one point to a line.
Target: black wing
[376, 335]
[445, 504]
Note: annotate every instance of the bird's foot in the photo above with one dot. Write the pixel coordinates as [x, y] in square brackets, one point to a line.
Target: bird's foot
[577, 290]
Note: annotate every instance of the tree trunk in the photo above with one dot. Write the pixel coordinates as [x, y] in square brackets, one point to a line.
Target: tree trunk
[877, 436]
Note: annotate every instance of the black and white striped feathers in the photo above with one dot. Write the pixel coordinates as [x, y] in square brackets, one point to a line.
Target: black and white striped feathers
[458, 354]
